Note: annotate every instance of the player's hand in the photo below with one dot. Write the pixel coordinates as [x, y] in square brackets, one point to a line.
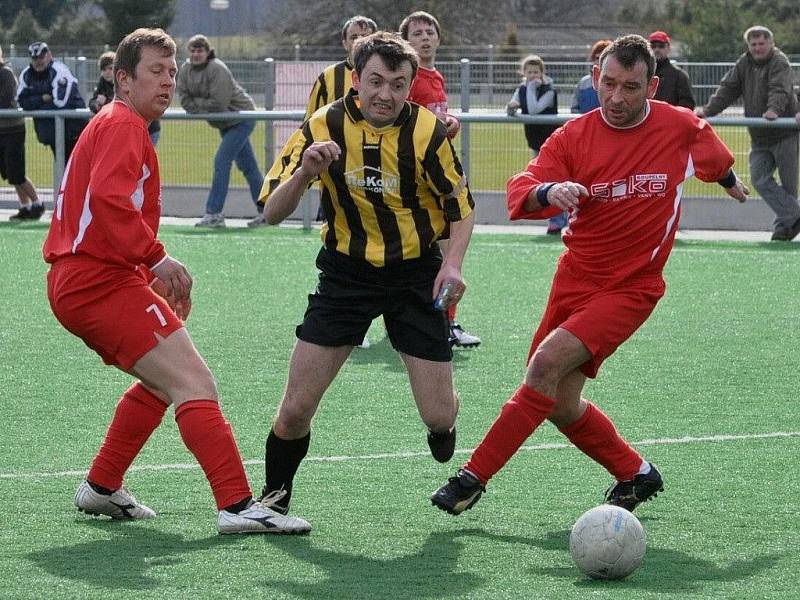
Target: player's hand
[182, 308]
[449, 275]
[566, 195]
[700, 112]
[319, 156]
[176, 279]
[770, 115]
[511, 108]
[100, 100]
[739, 191]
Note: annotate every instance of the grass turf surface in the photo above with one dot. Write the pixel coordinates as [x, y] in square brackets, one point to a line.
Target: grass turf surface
[704, 390]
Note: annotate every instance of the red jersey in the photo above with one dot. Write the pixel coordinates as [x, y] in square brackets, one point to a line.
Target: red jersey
[427, 90]
[627, 225]
[109, 204]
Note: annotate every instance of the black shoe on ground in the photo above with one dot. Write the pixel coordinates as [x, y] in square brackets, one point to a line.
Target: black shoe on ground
[442, 445]
[784, 234]
[23, 214]
[36, 211]
[630, 494]
[458, 494]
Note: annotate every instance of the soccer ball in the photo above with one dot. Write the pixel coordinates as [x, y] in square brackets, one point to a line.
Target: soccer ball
[607, 542]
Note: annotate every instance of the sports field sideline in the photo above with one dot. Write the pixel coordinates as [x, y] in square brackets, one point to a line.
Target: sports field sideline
[706, 390]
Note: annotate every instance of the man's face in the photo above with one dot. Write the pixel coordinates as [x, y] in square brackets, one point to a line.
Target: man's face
[760, 46]
[382, 91]
[623, 93]
[108, 73]
[40, 63]
[355, 31]
[150, 92]
[198, 55]
[660, 49]
[424, 39]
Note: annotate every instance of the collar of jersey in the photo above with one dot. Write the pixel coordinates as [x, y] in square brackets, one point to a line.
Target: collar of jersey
[646, 115]
[353, 107]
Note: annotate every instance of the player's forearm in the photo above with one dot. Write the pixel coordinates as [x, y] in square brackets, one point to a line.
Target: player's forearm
[460, 234]
[284, 200]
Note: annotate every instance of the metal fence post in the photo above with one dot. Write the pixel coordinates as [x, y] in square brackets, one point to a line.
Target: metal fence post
[490, 74]
[465, 89]
[58, 163]
[269, 104]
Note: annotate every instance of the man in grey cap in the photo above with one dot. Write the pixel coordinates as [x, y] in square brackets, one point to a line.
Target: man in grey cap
[48, 84]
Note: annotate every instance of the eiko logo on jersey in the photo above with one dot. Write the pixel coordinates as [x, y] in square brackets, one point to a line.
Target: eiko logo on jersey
[373, 180]
[641, 184]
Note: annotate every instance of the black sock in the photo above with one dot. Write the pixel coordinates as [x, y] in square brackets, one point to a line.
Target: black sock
[239, 506]
[282, 458]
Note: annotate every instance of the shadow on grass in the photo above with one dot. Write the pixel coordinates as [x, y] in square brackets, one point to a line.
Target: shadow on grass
[381, 352]
[431, 572]
[121, 562]
[664, 570]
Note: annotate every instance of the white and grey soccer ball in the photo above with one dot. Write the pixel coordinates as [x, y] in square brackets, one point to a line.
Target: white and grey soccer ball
[607, 542]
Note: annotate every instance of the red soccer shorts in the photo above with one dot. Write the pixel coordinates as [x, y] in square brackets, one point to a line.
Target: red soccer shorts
[600, 317]
[110, 307]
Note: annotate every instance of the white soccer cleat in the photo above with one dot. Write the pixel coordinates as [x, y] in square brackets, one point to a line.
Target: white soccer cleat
[462, 339]
[257, 518]
[119, 505]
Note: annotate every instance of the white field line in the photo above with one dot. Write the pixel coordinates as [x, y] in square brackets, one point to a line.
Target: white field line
[404, 455]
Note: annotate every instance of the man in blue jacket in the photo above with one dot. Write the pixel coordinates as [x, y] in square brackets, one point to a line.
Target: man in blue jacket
[48, 84]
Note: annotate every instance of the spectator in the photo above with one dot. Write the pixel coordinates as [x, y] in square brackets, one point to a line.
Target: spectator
[48, 84]
[423, 32]
[537, 95]
[673, 82]
[205, 85]
[400, 189]
[104, 93]
[12, 150]
[585, 97]
[112, 284]
[622, 164]
[762, 77]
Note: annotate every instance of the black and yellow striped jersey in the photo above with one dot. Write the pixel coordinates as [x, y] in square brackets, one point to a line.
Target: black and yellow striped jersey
[333, 83]
[393, 190]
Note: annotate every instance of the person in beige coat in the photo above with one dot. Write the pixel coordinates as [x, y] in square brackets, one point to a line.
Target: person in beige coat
[206, 85]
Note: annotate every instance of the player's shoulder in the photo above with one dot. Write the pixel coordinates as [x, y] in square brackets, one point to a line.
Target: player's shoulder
[668, 114]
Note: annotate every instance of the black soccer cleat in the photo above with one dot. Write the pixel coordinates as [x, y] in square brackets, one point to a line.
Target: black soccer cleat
[630, 494]
[23, 214]
[442, 445]
[36, 211]
[460, 493]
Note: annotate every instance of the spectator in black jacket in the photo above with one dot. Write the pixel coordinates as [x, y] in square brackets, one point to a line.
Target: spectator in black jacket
[48, 84]
[673, 82]
[104, 92]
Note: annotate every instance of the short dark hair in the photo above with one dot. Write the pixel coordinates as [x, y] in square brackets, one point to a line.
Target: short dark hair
[106, 58]
[129, 51]
[199, 41]
[392, 49]
[365, 23]
[423, 16]
[629, 50]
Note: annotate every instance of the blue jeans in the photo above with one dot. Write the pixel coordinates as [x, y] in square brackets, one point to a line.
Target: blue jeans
[235, 146]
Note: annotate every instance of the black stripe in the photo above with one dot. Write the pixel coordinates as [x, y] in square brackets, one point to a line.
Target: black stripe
[322, 97]
[407, 165]
[387, 222]
[338, 80]
[335, 120]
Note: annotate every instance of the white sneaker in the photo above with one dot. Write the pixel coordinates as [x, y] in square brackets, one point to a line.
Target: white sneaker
[459, 337]
[259, 221]
[119, 505]
[257, 518]
[364, 343]
[209, 220]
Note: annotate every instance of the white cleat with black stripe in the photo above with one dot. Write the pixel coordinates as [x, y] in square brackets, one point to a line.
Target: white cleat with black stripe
[257, 518]
[120, 504]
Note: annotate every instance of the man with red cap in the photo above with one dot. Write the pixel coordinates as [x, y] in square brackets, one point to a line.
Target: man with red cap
[674, 85]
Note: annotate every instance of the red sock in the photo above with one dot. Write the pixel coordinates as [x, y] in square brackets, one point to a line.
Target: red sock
[210, 438]
[137, 415]
[518, 419]
[595, 435]
[451, 313]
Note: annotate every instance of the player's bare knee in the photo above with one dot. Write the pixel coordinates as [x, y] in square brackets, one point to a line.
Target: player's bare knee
[543, 370]
[294, 416]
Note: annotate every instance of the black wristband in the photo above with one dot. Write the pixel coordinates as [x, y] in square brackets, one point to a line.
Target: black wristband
[729, 180]
[541, 194]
